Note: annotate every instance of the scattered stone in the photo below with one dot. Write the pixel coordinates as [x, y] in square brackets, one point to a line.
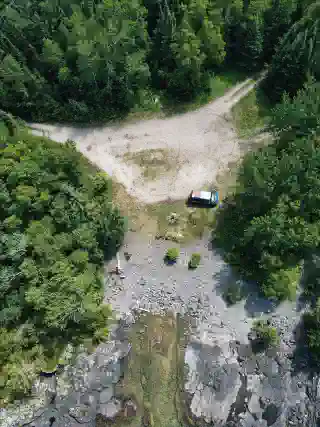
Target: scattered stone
[110, 409]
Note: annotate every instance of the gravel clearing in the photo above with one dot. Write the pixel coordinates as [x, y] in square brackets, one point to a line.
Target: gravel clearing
[152, 285]
[227, 383]
[202, 142]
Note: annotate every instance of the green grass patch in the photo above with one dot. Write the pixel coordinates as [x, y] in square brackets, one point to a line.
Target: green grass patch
[177, 222]
[251, 113]
[136, 213]
[155, 371]
[220, 83]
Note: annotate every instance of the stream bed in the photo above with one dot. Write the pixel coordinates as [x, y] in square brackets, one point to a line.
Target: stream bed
[154, 373]
[157, 371]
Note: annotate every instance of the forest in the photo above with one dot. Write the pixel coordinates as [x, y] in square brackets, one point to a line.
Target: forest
[58, 224]
[85, 61]
[95, 60]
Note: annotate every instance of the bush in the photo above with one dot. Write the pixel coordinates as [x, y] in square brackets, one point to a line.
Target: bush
[266, 335]
[172, 255]
[233, 294]
[282, 284]
[194, 260]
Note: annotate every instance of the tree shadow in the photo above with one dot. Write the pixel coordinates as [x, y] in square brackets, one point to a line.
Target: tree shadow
[263, 102]
[302, 360]
[305, 301]
[255, 303]
[212, 247]
[224, 277]
[309, 285]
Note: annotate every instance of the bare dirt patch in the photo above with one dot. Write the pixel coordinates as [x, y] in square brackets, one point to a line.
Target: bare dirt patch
[203, 142]
[153, 163]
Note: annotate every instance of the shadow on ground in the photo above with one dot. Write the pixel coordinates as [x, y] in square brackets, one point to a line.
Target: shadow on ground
[302, 360]
[254, 303]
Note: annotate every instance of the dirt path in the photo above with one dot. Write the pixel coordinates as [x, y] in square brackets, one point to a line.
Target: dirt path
[198, 146]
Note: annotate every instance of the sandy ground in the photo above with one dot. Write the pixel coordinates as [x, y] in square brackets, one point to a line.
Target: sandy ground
[200, 143]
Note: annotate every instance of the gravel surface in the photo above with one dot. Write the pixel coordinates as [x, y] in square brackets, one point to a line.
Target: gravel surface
[201, 143]
[151, 284]
[227, 382]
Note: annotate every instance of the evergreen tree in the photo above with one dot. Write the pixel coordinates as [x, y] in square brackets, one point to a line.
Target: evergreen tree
[277, 20]
[83, 52]
[296, 57]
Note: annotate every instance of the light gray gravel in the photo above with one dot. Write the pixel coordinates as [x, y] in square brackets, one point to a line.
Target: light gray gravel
[150, 284]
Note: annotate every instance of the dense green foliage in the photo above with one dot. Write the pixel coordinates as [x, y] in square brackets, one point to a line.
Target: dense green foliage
[95, 60]
[253, 30]
[57, 226]
[270, 226]
[272, 222]
[297, 56]
[76, 60]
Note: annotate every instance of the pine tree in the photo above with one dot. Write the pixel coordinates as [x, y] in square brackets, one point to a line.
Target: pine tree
[297, 56]
[277, 20]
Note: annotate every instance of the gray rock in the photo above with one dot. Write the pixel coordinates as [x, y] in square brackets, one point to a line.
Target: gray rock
[82, 414]
[110, 409]
[212, 383]
[106, 395]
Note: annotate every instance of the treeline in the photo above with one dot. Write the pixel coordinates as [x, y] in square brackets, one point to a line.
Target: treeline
[270, 227]
[57, 225]
[84, 60]
[272, 222]
[296, 57]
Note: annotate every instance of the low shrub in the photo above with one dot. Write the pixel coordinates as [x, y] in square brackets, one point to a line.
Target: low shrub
[172, 255]
[233, 293]
[100, 335]
[194, 260]
[266, 335]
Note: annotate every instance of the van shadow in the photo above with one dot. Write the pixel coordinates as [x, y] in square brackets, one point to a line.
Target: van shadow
[193, 205]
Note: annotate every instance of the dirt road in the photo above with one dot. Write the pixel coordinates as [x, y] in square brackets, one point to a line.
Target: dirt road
[193, 148]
